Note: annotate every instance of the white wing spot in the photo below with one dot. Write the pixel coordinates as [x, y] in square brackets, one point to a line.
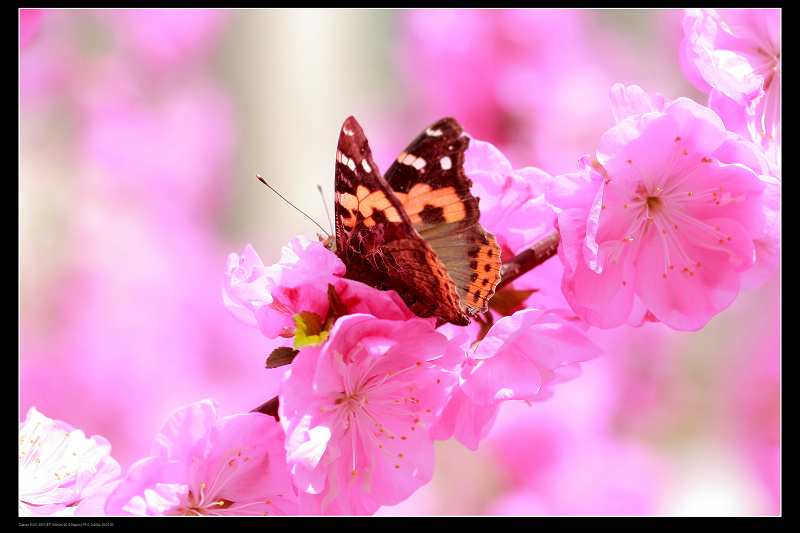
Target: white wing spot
[446, 163]
[433, 133]
[411, 160]
[348, 132]
[343, 159]
[366, 166]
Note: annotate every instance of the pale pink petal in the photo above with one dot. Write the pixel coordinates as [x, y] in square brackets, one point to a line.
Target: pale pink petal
[632, 100]
[521, 353]
[59, 466]
[205, 466]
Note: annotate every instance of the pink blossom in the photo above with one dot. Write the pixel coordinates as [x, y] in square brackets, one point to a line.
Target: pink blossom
[277, 318]
[735, 56]
[668, 221]
[59, 466]
[464, 420]
[247, 283]
[272, 297]
[203, 466]
[355, 411]
[303, 258]
[245, 287]
[524, 355]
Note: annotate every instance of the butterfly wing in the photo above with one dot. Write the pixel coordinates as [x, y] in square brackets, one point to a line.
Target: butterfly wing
[375, 237]
[428, 179]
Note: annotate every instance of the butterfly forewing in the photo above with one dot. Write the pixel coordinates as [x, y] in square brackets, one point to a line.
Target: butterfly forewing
[429, 180]
[375, 237]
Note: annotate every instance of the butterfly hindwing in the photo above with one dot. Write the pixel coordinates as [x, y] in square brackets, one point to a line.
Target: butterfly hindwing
[415, 232]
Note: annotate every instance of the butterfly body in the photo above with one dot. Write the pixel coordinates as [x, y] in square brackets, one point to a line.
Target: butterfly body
[415, 229]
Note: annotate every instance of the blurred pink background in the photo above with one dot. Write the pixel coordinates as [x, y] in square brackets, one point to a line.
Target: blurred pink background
[141, 132]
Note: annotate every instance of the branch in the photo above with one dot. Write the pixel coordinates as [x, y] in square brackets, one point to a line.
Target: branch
[526, 261]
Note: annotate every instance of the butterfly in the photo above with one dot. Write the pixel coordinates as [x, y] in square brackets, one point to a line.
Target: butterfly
[415, 230]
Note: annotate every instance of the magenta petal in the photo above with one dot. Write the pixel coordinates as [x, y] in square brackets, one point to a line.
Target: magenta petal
[687, 298]
[638, 148]
[464, 420]
[183, 428]
[255, 442]
[613, 311]
[232, 466]
[520, 354]
[632, 100]
[604, 300]
[151, 487]
[482, 155]
[303, 258]
[355, 412]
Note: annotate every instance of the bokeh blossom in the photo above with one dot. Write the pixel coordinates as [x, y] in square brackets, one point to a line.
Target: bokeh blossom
[30, 21]
[201, 465]
[734, 55]
[510, 76]
[665, 222]
[127, 150]
[60, 467]
[559, 458]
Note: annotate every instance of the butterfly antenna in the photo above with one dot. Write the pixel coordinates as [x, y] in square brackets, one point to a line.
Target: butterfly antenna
[288, 202]
[325, 204]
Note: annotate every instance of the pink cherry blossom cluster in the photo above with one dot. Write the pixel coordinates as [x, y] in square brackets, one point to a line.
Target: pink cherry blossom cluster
[734, 55]
[675, 214]
[673, 217]
[367, 393]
